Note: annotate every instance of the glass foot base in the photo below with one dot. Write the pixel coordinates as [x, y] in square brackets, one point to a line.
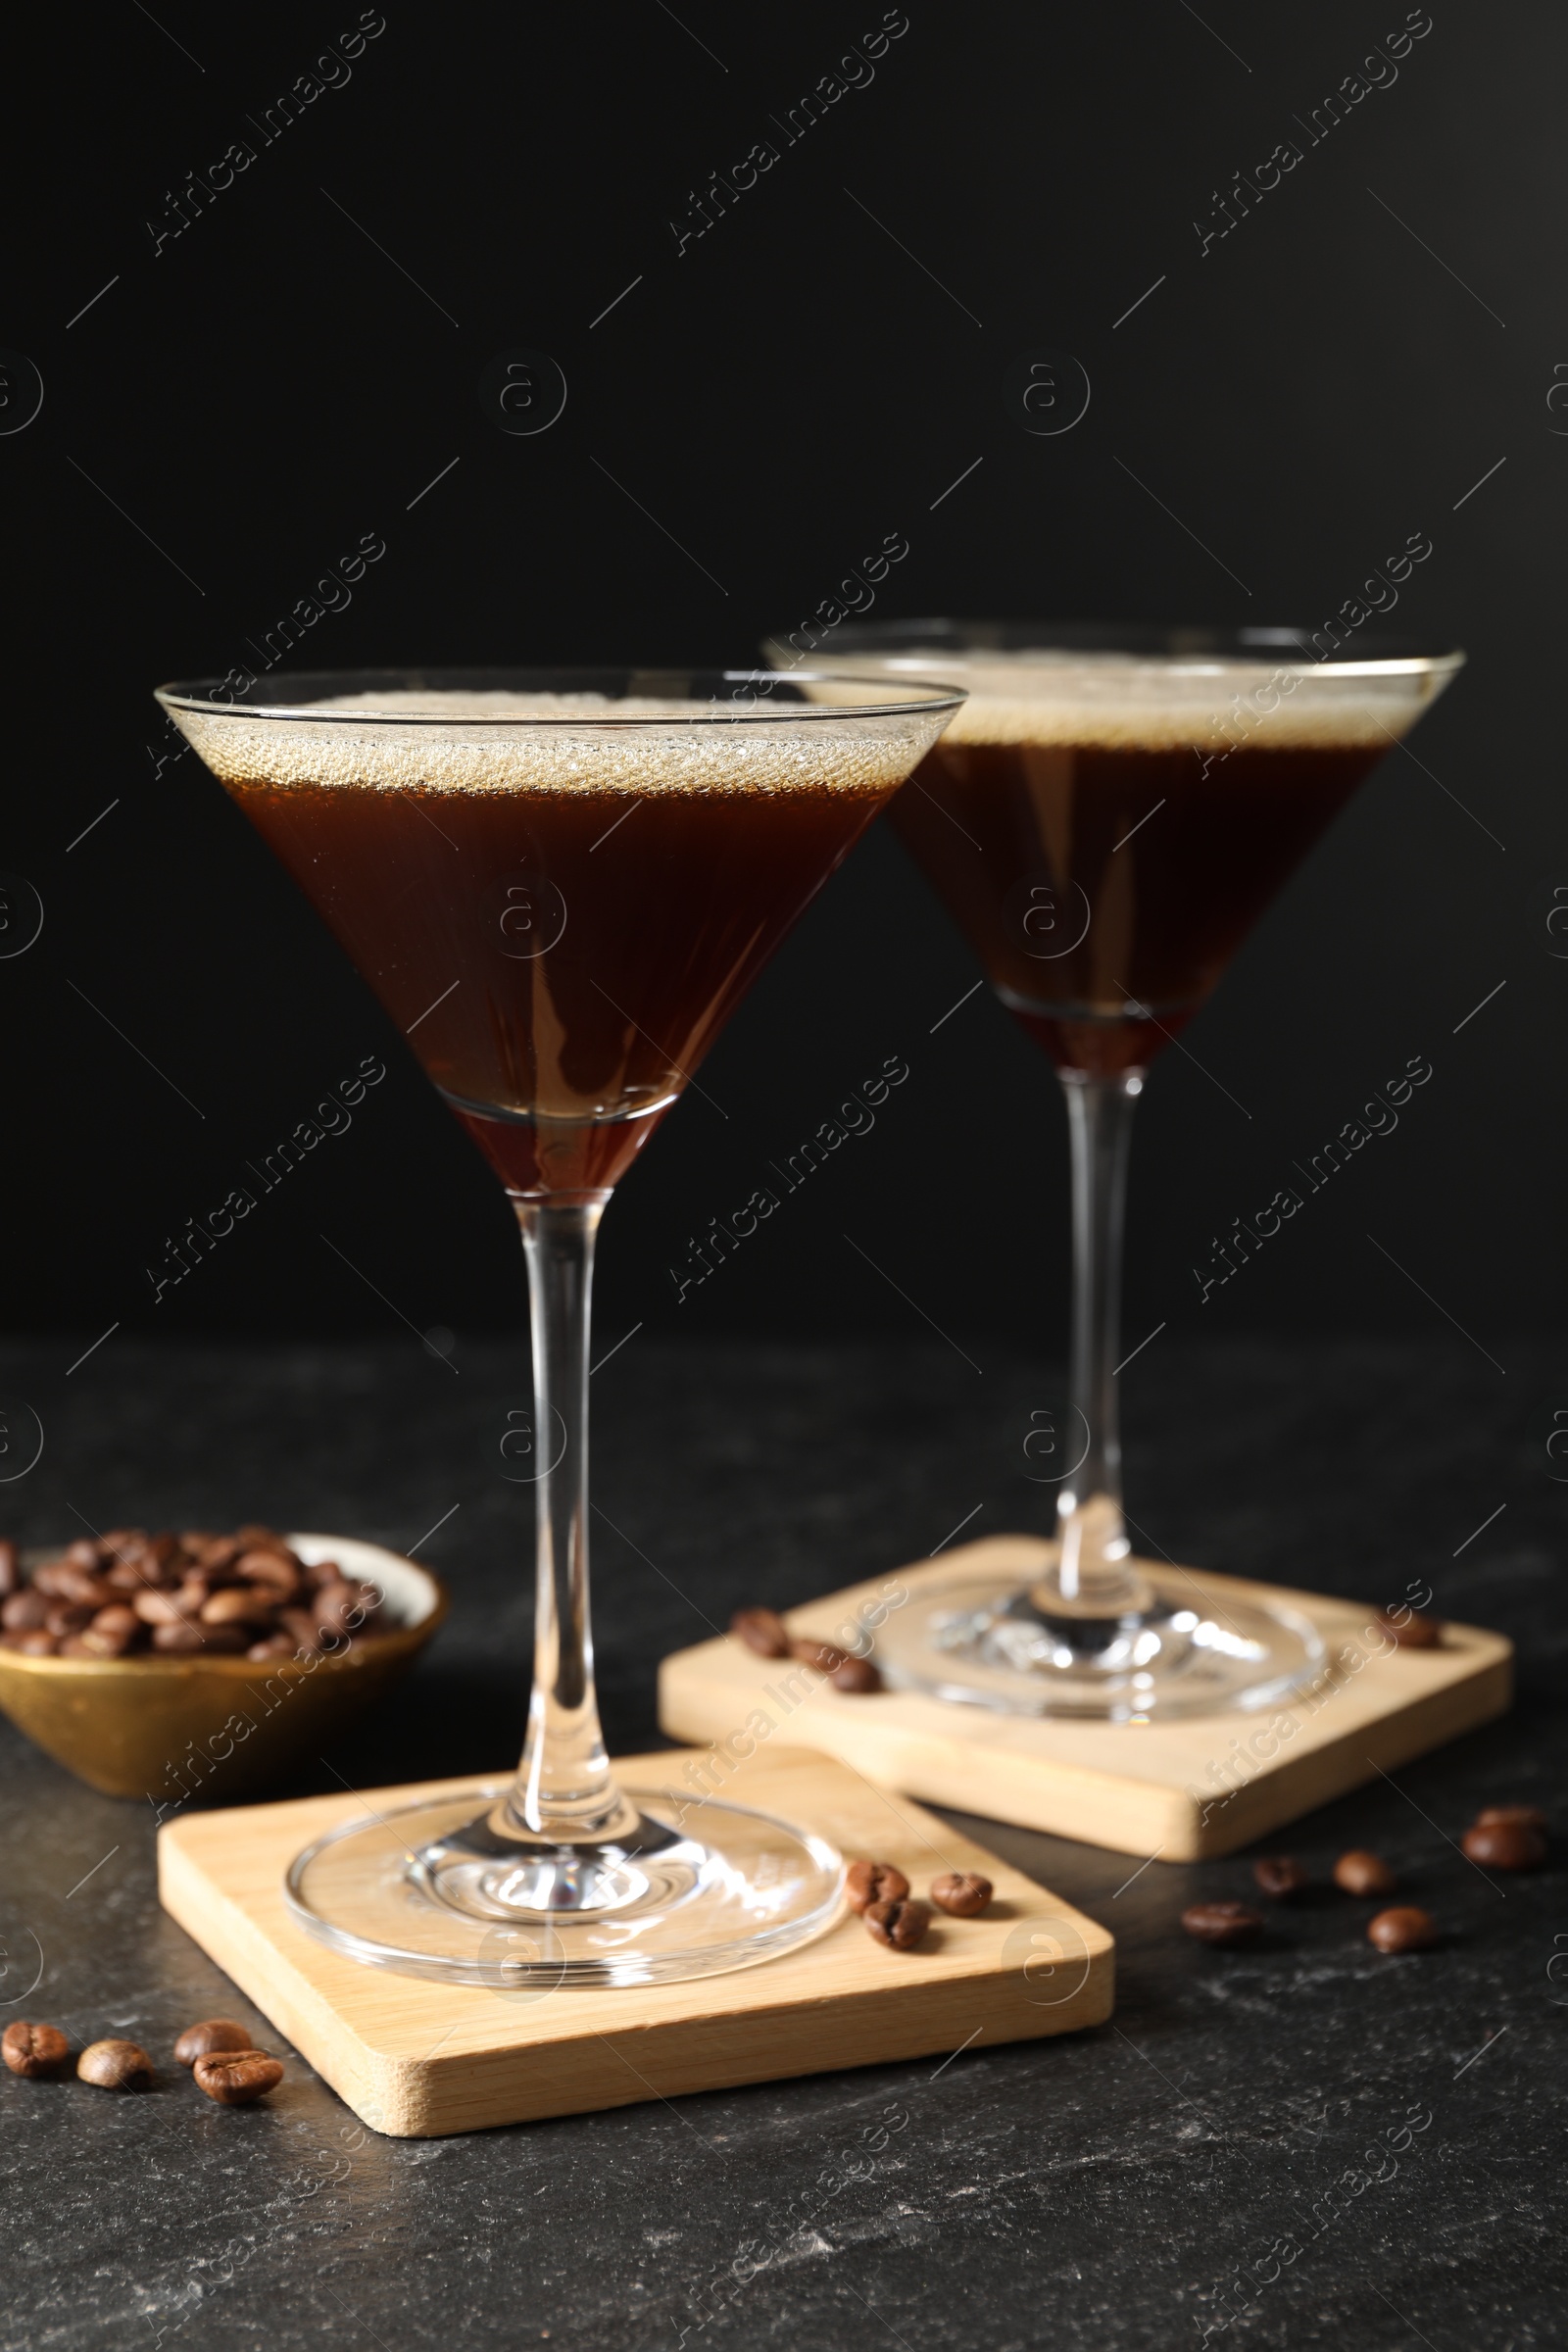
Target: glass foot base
[431, 1890]
[990, 1645]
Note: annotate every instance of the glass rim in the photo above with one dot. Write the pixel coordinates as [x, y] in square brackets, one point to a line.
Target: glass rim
[930, 695]
[1178, 650]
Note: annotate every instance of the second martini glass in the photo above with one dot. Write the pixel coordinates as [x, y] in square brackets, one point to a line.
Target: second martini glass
[1108, 817]
[560, 885]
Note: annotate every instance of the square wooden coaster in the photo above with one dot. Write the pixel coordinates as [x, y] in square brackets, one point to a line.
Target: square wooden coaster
[1181, 1790]
[417, 2059]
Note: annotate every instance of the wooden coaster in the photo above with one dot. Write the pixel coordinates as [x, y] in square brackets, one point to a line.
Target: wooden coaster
[1180, 1789]
[417, 2059]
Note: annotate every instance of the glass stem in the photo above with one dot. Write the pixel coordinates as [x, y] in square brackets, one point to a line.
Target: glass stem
[1094, 1578]
[563, 1791]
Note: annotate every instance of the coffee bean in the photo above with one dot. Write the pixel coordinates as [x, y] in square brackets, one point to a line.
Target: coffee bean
[1222, 1923]
[182, 1596]
[856, 1675]
[1402, 1929]
[761, 1630]
[115, 2065]
[34, 2050]
[900, 1924]
[111, 1631]
[1530, 1817]
[239, 1604]
[1413, 1632]
[1280, 1875]
[214, 2034]
[961, 1894]
[1504, 1845]
[1361, 1873]
[825, 1656]
[68, 1617]
[235, 2078]
[867, 1883]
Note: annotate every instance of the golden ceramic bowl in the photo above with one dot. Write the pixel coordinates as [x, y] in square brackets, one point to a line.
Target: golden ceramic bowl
[171, 1727]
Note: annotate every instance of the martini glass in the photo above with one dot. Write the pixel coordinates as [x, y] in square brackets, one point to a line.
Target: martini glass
[561, 884]
[1106, 818]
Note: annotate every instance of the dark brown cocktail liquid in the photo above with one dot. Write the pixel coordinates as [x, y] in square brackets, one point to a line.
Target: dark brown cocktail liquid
[560, 960]
[1106, 889]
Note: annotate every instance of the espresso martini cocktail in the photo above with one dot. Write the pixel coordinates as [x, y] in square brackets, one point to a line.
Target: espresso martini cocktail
[1106, 818]
[560, 885]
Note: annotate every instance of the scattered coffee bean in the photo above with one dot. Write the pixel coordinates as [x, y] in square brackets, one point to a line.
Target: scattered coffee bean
[205, 2040]
[867, 1883]
[1280, 1875]
[1361, 1873]
[235, 2078]
[901, 1924]
[1222, 1923]
[856, 1675]
[761, 1630]
[125, 1593]
[34, 2050]
[115, 2065]
[1530, 1817]
[825, 1656]
[1402, 1929]
[1414, 1631]
[1504, 1845]
[961, 1894]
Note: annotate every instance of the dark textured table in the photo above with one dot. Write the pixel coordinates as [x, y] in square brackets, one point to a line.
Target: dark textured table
[1299, 2144]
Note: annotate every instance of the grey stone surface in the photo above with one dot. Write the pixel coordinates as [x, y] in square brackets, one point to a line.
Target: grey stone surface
[1299, 2144]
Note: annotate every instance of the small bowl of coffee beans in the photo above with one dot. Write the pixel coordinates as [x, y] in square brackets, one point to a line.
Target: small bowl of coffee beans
[152, 1664]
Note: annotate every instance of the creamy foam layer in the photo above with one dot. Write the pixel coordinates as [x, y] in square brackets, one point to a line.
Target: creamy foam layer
[1114, 702]
[461, 743]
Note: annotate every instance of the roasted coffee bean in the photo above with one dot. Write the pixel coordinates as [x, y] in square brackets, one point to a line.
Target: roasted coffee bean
[1413, 1632]
[867, 1883]
[214, 2034]
[1530, 1817]
[335, 1605]
[1361, 1873]
[235, 2078]
[1222, 1923]
[278, 1571]
[239, 1604]
[1280, 1875]
[761, 1630]
[825, 1656]
[115, 2065]
[962, 1893]
[1402, 1929]
[157, 1608]
[10, 1566]
[856, 1675]
[34, 2050]
[69, 1617]
[276, 1646]
[183, 1595]
[111, 1631]
[1504, 1845]
[899, 1923]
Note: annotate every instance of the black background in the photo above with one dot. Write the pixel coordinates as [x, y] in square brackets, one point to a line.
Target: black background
[1294, 403]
